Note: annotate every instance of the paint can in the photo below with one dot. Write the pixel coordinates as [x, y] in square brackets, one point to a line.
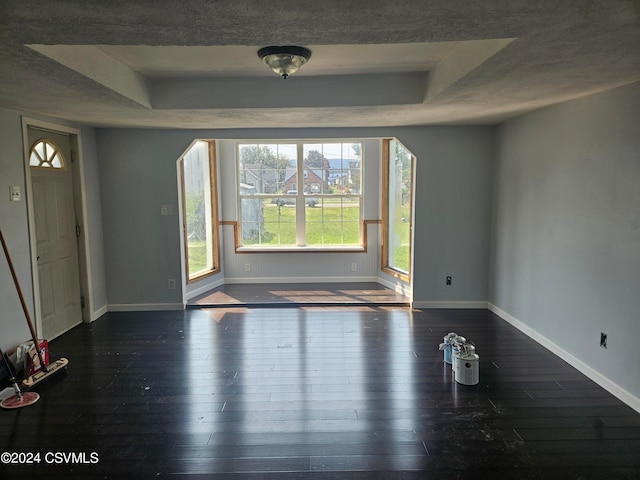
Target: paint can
[446, 346]
[466, 371]
[457, 346]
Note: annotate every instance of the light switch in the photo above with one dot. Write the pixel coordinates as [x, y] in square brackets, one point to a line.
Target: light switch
[166, 210]
[16, 193]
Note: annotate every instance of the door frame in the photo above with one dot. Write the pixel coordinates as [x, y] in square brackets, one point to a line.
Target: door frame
[79, 198]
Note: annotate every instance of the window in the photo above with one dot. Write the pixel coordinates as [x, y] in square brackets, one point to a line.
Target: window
[45, 154]
[322, 210]
[398, 166]
[199, 205]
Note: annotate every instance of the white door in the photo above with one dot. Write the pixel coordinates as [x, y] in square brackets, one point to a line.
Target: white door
[55, 225]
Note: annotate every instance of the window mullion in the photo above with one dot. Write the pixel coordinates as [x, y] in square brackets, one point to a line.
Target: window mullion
[300, 218]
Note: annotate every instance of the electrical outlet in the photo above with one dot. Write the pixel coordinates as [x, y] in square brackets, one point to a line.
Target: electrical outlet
[603, 340]
[354, 267]
[166, 210]
[448, 280]
[247, 267]
[171, 284]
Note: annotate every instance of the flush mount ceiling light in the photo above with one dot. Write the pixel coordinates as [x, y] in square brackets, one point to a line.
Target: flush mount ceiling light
[286, 60]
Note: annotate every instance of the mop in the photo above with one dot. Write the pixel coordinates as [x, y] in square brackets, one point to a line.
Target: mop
[19, 399]
[46, 371]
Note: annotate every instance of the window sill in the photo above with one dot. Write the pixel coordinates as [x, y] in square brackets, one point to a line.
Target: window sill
[306, 249]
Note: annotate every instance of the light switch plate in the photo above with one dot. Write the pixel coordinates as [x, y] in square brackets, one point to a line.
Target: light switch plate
[16, 193]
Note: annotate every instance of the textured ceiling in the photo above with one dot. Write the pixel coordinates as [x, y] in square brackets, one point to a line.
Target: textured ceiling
[193, 64]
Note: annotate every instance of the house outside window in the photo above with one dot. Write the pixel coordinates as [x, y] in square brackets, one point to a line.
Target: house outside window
[279, 211]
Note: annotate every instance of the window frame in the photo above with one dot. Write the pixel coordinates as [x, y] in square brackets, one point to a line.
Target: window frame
[300, 199]
[386, 228]
[213, 221]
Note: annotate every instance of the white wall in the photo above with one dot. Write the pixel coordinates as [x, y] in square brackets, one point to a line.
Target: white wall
[566, 233]
[142, 249]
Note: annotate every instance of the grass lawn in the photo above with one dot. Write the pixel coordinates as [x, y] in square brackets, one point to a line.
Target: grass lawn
[197, 251]
[332, 225]
[402, 238]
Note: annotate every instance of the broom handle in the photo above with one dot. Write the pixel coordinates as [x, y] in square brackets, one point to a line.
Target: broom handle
[12, 377]
[24, 304]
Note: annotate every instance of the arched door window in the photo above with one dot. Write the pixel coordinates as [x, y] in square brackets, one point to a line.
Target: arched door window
[46, 154]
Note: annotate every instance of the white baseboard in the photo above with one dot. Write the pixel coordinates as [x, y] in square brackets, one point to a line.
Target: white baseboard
[300, 279]
[141, 307]
[398, 286]
[203, 289]
[465, 305]
[604, 382]
[64, 331]
[99, 312]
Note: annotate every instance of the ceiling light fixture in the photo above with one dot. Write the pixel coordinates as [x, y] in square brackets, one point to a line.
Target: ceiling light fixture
[286, 60]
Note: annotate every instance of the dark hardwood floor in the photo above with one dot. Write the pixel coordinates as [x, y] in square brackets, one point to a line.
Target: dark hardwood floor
[297, 294]
[316, 393]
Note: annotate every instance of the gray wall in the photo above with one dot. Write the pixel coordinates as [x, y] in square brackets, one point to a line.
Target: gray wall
[566, 229]
[453, 213]
[93, 227]
[142, 249]
[14, 225]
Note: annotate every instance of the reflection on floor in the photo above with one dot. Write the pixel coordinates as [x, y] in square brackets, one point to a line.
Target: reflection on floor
[296, 294]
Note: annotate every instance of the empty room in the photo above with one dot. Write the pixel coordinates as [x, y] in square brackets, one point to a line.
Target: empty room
[320, 240]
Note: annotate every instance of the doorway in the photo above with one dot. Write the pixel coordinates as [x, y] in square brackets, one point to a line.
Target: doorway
[54, 230]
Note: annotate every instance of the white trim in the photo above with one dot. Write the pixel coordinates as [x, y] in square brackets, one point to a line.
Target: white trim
[64, 331]
[142, 307]
[99, 312]
[530, 332]
[600, 379]
[203, 288]
[181, 223]
[31, 221]
[299, 279]
[85, 282]
[304, 249]
[451, 304]
[300, 209]
[398, 286]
